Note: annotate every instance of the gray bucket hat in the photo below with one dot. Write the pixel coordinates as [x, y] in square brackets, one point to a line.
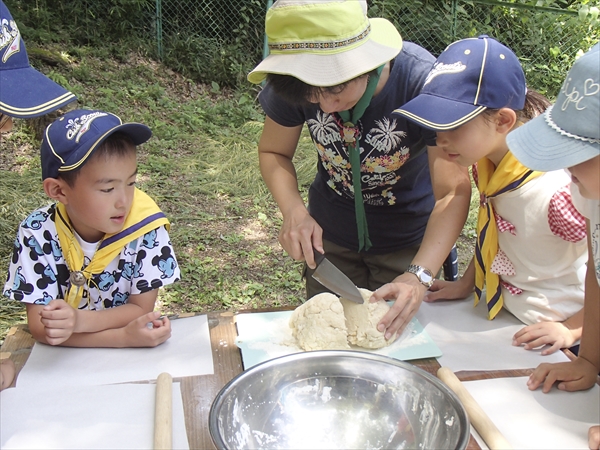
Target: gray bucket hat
[568, 133]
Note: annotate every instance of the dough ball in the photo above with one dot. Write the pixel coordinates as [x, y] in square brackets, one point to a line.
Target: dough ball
[362, 321]
[319, 324]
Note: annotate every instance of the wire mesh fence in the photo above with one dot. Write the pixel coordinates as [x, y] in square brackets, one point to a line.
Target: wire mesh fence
[546, 40]
[222, 40]
[229, 35]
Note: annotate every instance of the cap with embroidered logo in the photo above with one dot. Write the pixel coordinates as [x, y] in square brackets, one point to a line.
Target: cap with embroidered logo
[568, 133]
[325, 42]
[470, 76]
[24, 92]
[71, 139]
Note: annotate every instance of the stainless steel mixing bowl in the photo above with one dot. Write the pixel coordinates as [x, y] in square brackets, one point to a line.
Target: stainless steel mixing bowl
[337, 399]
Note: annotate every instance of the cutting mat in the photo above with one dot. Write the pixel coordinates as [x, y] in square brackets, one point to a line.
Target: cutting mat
[264, 336]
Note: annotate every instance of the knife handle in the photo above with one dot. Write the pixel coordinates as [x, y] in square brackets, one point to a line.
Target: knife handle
[319, 257]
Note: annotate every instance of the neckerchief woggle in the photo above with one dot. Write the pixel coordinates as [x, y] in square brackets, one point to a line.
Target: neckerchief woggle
[145, 216]
[350, 133]
[508, 176]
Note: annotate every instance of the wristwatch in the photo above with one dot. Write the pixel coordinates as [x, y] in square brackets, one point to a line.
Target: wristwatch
[423, 275]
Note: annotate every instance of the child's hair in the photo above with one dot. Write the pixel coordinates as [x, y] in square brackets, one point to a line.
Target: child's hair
[297, 92]
[117, 144]
[535, 104]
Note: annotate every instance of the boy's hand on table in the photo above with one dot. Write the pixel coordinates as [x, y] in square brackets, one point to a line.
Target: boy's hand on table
[148, 330]
[574, 375]
[59, 320]
[554, 334]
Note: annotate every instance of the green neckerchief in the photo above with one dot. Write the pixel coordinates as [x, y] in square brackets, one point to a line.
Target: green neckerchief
[350, 133]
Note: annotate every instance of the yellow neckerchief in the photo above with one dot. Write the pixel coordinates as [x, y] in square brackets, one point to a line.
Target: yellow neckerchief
[145, 216]
[508, 176]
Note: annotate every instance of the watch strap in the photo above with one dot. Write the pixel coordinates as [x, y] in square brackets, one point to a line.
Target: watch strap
[424, 275]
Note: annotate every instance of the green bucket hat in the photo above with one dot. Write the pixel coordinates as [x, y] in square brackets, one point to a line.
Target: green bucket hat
[324, 42]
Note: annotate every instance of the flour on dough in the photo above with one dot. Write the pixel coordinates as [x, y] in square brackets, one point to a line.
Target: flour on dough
[362, 321]
[319, 324]
[326, 322]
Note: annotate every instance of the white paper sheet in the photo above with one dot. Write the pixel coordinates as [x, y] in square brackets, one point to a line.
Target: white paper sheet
[534, 420]
[469, 341]
[103, 417]
[186, 353]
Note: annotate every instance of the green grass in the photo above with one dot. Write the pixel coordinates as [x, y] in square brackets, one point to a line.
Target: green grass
[201, 166]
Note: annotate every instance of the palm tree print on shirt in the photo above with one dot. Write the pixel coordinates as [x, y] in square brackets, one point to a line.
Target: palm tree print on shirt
[382, 154]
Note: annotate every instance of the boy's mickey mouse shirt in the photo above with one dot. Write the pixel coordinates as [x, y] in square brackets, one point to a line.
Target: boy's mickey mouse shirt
[38, 272]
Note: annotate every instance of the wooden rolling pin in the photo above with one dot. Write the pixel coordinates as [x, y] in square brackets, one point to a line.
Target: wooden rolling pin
[163, 413]
[480, 420]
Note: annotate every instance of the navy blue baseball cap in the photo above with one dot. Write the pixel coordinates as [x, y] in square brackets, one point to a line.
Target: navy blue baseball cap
[24, 92]
[470, 76]
[71, 139]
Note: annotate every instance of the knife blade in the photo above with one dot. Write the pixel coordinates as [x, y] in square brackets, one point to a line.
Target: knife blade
[335, 280]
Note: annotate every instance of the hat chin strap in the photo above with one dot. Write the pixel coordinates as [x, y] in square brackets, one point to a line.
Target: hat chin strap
[350, 135]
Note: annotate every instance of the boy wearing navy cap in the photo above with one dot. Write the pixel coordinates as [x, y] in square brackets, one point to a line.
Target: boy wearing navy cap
[24, 92]
[472, 98]
[103, 244]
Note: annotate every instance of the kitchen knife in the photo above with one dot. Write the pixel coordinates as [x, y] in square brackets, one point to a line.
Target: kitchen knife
[334, 279]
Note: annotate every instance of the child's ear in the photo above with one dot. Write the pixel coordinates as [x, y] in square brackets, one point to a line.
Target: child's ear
[55, 189]
[505, 120]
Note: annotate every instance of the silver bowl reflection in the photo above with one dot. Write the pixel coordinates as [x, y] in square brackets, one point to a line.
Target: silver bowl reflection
[337, 399]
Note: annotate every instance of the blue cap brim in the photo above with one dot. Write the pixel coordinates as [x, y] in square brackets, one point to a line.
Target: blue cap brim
[137, 132]
[26, 93]
[438, 113]
[540, 147]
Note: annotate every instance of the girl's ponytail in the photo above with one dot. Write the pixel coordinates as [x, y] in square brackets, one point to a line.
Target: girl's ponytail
[535, 104]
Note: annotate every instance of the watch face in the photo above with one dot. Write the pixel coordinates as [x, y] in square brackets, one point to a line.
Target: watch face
[426, 277]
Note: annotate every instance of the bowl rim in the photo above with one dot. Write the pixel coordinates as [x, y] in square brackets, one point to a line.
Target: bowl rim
[217, 403]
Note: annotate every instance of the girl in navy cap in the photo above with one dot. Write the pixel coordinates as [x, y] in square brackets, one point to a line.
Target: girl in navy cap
[530, 253]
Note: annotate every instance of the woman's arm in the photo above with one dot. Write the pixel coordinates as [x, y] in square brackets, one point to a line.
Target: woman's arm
[299, 232]
[452, 191]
